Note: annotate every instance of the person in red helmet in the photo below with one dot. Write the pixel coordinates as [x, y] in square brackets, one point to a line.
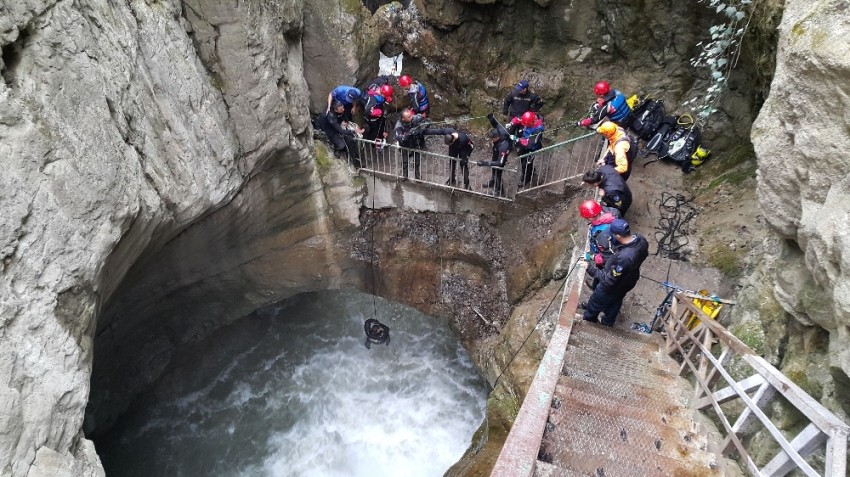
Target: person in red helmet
[599, 239]
[610, 104]
[374, 114]
[387, 92]
[417, 94]
[530, 139]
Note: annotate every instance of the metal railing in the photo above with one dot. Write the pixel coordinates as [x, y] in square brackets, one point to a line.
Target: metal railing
[560, 162]
[551, 165]
[706, 351]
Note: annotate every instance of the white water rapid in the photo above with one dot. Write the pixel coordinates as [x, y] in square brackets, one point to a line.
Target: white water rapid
[291, 390]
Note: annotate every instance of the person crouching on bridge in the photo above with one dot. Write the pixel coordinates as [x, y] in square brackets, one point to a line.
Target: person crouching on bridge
[502, 146]
[376, 332]
[410, 134]
[619, 275]
[340, 132]
[460, 148]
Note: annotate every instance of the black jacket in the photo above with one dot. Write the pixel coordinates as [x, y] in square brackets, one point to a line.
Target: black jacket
[331, 122]
[622, 270]
[461, 147]
[617, 193]
[516, 104]
[410, 134]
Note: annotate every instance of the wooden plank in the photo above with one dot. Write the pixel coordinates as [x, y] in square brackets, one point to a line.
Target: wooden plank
[742, 451]
[812, 409]
[747, 419]
[768, 425]
[836, 454]
[728, 393]
[713, 375]
[703, 362]
[806, 442]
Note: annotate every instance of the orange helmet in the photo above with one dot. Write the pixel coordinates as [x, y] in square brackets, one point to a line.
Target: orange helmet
[601, 88]
[528, 119]
[387, 92]
[589, 209]
[607, 129]
[405, 81]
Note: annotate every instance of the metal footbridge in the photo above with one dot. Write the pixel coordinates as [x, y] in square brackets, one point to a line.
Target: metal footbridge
[552, 166]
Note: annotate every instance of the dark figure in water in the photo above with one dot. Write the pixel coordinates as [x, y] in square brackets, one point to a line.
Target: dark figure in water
[376, 332]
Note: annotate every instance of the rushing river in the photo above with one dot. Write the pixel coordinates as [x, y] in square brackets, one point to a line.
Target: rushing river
[291, 390]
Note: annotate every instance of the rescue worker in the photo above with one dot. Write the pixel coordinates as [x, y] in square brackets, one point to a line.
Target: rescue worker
[615, 192]
[340, 132]
[502, 146]
[622, 148]
[529, 139]
[374, 113]
[599, 239]
[347, 95]
[460, 147]
[610, 104]
[376, 332]
[417, 94]
[376, 84]
[410, 134]
[521, 100]
[619, 275]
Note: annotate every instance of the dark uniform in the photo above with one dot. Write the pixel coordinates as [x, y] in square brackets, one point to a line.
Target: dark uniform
[374, 113]
[617, 193]
[530, 140]
[618, 277]
[418, 96]
[411, 137]
[376, 332]
[340, 138]
[502, 147]
[519, 101]
[461, 148]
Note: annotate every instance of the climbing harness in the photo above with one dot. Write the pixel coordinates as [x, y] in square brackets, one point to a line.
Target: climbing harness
[673, 227]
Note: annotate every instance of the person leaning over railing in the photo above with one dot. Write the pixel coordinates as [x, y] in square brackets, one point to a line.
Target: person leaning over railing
[340, 132]
[460, 147]
[502, 146]
[619, 275]
[409, 132]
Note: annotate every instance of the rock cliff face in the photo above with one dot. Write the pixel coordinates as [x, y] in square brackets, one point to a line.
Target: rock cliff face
[801, 139]
[123, 123]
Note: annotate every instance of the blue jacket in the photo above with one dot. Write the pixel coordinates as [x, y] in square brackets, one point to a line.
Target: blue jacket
[418, 96]
[346, 95]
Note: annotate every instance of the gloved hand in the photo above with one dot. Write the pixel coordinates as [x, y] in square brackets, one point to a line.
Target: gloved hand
[482, 163]
[588, 256]
[515, 121]
[524, 141]
[599, 259]
[513, 138]
[584, 122]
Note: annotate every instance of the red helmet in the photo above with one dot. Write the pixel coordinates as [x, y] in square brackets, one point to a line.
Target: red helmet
[405, 81]
[601, 88]
[528, 119]
[387, 93]
[589, 209]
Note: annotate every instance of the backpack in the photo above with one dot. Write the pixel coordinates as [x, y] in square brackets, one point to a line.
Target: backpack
[681, 143]
[657, 143]
[647, 118]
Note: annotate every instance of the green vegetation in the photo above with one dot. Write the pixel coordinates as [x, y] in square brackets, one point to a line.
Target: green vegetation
[722, 257]
[323, 157]
[732, 167]
[752, 334]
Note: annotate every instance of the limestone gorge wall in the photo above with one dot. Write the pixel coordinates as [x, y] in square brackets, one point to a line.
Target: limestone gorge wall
[802, 138]
[121, 124]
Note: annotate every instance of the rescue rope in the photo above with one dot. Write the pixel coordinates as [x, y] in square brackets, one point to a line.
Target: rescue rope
[674, 225]
[372, 254]
[534, 328]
